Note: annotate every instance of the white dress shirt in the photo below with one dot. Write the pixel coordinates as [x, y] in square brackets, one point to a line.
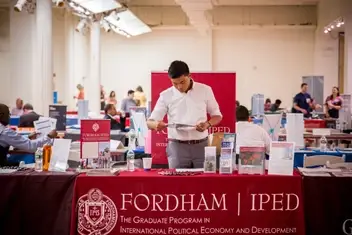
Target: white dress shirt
[249, 134]
[186, 108]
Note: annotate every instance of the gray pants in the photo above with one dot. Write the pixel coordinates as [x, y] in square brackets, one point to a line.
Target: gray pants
[185, 155]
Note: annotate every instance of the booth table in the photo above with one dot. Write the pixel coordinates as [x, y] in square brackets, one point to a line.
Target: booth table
[148, 203]
[328, 205]
[299, 156]
[34, 203]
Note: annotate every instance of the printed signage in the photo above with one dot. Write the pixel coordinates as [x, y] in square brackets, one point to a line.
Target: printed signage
[58, 112]
[95, 137]
[224, 89]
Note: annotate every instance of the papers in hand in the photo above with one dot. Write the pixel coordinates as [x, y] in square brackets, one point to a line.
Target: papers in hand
[44, 125]
[179, 126]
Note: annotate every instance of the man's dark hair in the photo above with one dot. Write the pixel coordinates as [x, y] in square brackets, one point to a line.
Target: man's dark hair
[4, 114]
[242, 113]
[130, 92]
[304, 84]
[108, 107]
[278, 102]
[28, 107]
[177, 69]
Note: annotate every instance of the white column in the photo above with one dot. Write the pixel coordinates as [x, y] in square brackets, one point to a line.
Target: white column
[348, 47]
[22, 41]
[93, 83]
[70, 84]
[43, 80]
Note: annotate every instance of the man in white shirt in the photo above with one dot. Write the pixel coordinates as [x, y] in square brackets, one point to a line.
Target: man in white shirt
[186, 102]
[249, 134]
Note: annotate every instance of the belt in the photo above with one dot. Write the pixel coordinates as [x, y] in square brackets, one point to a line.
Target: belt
[189, 141]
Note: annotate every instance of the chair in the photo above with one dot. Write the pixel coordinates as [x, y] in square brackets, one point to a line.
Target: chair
[321, 160]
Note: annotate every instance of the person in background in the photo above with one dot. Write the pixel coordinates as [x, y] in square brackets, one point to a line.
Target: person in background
[9, 137]
[128, 102]
[80, 95]
[267, 105]
[247, 133]
[140, 97]
[28, 117]
[102, 98]
[112, 98]
[18, 110]
[333, 104]
[111, 114]
[275, 106]
[186, 102]
[303, 102]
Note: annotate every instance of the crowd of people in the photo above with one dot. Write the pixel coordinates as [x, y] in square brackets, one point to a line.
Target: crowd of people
[135, 98]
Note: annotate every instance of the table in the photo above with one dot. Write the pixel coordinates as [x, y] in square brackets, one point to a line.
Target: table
[34, 203]
[328, 205]
[299, 156]
[147, 203]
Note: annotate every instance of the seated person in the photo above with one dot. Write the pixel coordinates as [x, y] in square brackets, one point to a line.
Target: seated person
[276, 106]
[18, 110]
[111, 113]
[9, 137]
[28, 117]
[248, 133]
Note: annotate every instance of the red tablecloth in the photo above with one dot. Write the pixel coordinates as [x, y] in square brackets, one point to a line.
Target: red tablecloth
[148, 203]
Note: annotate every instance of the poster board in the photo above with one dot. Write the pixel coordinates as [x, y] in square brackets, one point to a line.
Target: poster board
[95, 137]
[224, 88]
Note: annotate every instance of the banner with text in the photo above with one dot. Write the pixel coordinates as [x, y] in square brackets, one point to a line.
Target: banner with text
[95, 137]
[224, 88]
[147, 203]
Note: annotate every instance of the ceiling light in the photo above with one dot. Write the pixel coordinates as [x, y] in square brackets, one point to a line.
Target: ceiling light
[332, 26]
[326, 31]
[98, 6]
[127, 22]
[59, 3]
[19, 5]
[81, 25]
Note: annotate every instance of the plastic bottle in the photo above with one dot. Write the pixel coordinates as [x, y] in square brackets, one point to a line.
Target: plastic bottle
[39, 160]
[46, 157]
[130, 160]
[323, 144]
[338, 125]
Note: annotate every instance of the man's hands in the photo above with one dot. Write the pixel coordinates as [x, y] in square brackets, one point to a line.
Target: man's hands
[160, 125]
[202, 126]
[52, 134]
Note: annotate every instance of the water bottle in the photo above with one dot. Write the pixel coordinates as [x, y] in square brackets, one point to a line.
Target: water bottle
[130, 160]
[323, 144]
[38, 160]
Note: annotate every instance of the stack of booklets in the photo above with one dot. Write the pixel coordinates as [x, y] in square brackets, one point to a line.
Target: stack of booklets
[227, 154]
[252, 160]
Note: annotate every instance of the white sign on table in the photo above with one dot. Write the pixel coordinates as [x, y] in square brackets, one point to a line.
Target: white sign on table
[281, 158]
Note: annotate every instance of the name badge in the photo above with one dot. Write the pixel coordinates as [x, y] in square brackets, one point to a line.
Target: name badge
[308, 100]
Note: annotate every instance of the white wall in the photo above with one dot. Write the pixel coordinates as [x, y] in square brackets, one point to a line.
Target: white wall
[267, 61]
[4, 53]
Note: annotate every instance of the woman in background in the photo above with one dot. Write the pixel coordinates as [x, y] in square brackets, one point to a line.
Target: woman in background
[333, 104]
[140, 97]
[267, 105]
[112, 98]
[80, 95]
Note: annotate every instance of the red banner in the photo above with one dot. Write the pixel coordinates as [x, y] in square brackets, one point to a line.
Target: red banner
[147, 203]
[95, 137]
[224, 88]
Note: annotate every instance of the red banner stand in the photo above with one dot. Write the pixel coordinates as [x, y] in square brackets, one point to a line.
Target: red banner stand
[224, 88]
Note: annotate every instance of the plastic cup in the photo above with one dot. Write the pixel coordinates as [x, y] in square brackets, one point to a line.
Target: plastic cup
[147, 163]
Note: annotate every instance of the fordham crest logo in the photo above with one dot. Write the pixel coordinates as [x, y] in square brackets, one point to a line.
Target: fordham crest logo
[95, 127]
[97, 213]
